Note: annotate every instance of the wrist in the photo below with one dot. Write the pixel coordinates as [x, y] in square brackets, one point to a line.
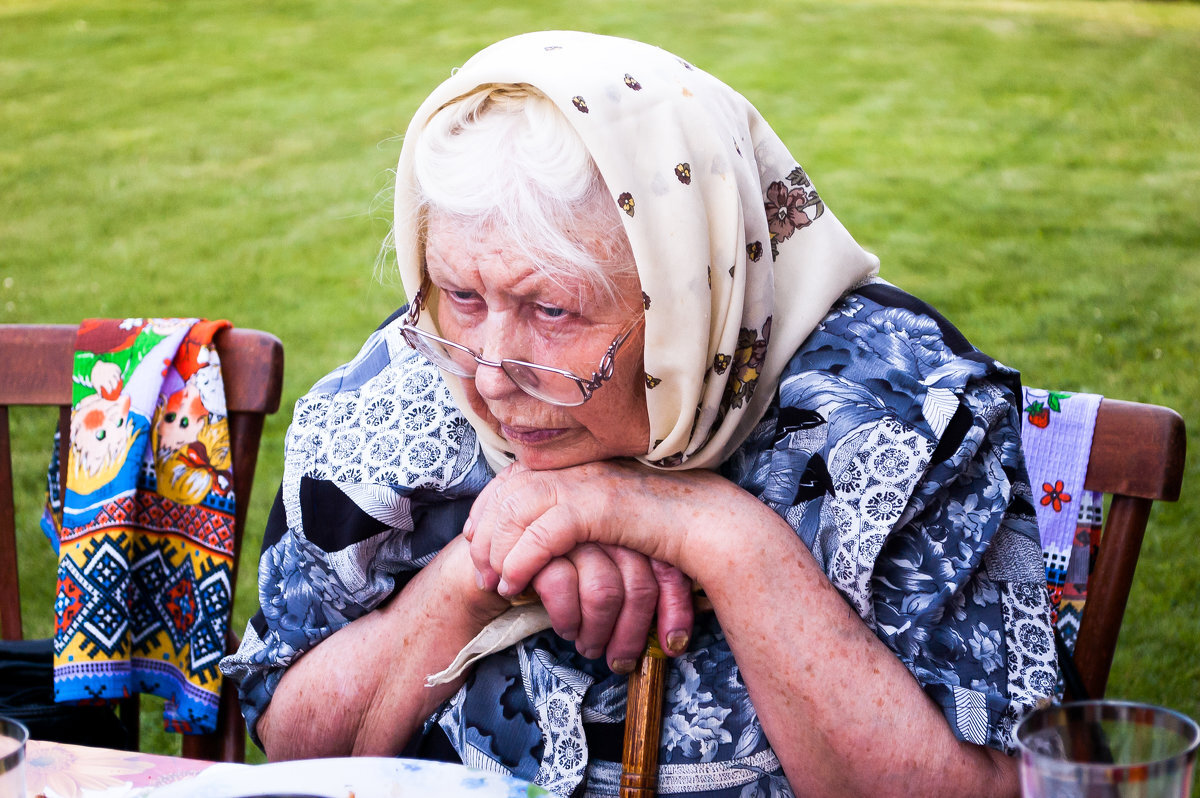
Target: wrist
[480, 605]
[727, 530]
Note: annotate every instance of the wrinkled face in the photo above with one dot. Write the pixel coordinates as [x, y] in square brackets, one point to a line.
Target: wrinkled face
[494, 301]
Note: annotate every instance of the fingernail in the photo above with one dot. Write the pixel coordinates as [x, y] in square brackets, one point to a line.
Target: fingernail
[677, 641]
[479, 580]
[592, 653]
[503, 588]
[623, 666]
[569, 634]
[468, 528]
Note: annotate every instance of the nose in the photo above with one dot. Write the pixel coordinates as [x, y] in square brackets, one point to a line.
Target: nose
[492, 382]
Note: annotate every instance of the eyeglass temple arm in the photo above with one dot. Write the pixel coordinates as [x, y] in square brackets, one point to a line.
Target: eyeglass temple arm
[608, 362]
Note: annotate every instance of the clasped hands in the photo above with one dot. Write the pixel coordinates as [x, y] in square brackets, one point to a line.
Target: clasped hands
[595, 542]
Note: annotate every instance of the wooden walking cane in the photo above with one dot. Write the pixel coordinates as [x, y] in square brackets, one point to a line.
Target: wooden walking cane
[643, 715]
[643, 724]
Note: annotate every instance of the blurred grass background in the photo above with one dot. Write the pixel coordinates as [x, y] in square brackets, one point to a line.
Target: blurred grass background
[1030, 168]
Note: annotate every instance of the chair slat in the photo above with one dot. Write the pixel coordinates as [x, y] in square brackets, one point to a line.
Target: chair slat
[1108, 590]
[10, 585]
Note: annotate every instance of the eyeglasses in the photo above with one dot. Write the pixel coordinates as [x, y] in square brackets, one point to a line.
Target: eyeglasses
[555, 386]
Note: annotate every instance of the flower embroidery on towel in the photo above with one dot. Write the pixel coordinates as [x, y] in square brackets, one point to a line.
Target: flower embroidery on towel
[1054, 495]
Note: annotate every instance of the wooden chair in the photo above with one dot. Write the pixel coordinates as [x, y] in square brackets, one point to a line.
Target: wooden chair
[35, 370]
[1137, 457]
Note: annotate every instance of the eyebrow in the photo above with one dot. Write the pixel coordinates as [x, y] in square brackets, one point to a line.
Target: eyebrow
[545, 290]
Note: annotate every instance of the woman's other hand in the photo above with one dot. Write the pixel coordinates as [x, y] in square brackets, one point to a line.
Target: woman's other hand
[605, 598]
[602, 596]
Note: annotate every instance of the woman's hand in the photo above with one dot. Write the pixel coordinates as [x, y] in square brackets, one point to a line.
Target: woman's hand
[603, 596]
[525, 518]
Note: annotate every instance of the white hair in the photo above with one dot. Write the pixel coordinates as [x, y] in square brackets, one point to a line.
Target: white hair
[506, 165]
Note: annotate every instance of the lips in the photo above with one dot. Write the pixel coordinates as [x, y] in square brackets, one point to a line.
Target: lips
[528, 436]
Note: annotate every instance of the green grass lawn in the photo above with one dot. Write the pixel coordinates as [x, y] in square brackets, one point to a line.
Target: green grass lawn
[1032, 169]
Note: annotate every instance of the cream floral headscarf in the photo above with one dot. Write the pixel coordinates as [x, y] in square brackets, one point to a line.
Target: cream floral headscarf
[739, 259]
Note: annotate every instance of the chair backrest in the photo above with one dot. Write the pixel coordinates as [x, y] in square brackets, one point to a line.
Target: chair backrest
[1137, 458]
[35, 370]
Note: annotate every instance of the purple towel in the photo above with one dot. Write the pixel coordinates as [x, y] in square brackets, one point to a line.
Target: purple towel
[1056, 435]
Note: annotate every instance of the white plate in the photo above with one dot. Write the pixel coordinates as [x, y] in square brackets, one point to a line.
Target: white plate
[358, 777]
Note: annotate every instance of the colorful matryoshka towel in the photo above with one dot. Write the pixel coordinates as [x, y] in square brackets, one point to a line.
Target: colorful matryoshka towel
[146, 536]
[1056, 436]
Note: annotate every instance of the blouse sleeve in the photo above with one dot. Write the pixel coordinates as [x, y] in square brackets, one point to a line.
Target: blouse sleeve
[380, 472]
[959, 590]
[896, 457]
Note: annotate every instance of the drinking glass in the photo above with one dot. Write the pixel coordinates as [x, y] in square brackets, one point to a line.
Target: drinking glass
[1107, 749]
[12, 758]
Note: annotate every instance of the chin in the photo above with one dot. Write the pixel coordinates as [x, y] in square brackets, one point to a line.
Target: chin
[540, 459]
[551, 457]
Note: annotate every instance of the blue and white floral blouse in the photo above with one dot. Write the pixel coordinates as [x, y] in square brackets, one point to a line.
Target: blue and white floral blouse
[893, 450]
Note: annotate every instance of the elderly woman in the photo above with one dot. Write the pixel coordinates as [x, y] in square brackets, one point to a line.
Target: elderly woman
[641, 355]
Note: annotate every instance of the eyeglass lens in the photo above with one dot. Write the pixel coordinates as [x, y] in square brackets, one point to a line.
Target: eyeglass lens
[543, 384]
